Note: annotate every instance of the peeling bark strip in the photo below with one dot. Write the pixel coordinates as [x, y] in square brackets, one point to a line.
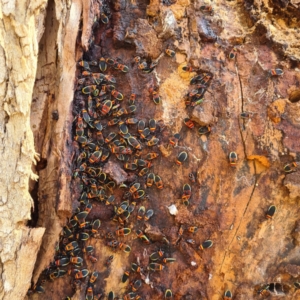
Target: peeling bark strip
[54, 93]
[18, 60]
[228, 205]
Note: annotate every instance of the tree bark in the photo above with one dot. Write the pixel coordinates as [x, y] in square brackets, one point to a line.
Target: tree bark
[40, 45]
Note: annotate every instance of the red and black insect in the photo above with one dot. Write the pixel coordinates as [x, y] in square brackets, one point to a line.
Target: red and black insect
[189, 123]
[170, 52]
[174, 139]
[276, 72]
[181, 158]
[291, 167]
[227, 295]
[271, 211]
[233, 158]
[206, 244]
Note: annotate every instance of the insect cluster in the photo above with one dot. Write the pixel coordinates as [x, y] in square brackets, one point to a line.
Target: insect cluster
[107, 128]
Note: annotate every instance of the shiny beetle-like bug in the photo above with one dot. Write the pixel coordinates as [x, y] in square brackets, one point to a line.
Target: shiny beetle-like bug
[233, 158]
[62, 262]
[158, 182]
[132, 99]
[124, 247]
[130, 296]
[131, 207]
[123, 206]
[82, 236]
[94, 277]
[89, 89]
[291, 167]
[138, 194]
[123, 231]
[102, 64]
[104, 18]
[123, 129]
[271, 211]
[150, 179]
[170, 52]
[95, 157]
[204, 130]
[156, 255]
[125, 276]
[123, 68]
[145, 133]
[174, 139]
[135, 268]
[98, 125]
[82, 274]
[141, 162]
[232, 53]
[143, 66]
[155, 267]
[134, 187]
[71, 246]
[168, 294]
[143, 172]
[137, 284]
[134, 143]
[275, 72]
[110, 200]
[131, 121]
[141, 213]
[88, 249]
[141, 126]
[192, 229]
[89, 293]
[297, 285]
[111, 295]
[38, 289]
[152, 142]
[181, 158]
[76, 260]
[168, 260]
[142, 236]
[206, 244]
[152, 125]
[189, 123]
[131, 109]
[227, 295]
[106, 107]
[95, 226]
[245, 115]
[149, 214]
[84, 64]
[187, 68]
[155, 97]
[130, 166]
[187, 192]
[117, 95]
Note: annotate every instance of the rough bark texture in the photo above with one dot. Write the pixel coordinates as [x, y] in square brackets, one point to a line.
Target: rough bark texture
[228, 205]
[18, 55]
